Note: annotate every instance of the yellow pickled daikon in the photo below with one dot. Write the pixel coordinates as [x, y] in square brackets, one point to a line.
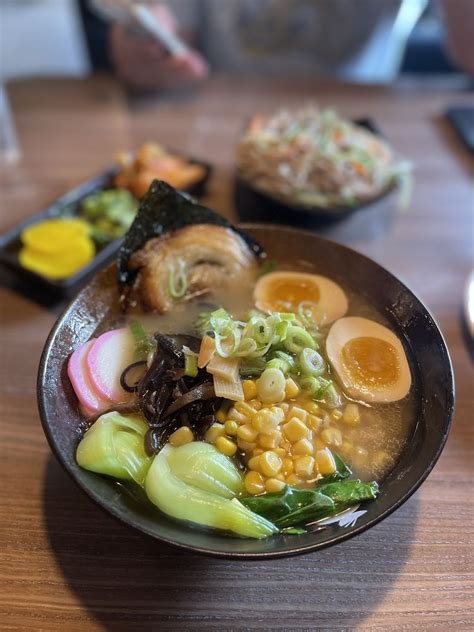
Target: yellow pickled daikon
[56, 248]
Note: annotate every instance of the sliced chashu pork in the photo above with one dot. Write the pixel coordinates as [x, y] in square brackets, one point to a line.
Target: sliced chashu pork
[208, 257]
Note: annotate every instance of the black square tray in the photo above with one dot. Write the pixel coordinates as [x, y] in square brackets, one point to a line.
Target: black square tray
[69, 205]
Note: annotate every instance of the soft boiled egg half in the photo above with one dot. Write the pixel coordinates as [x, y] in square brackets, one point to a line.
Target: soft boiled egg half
[369, 360]
[286, 291]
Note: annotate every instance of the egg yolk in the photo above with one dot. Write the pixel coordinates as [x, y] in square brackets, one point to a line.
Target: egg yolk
[287, 295]
[371, 362]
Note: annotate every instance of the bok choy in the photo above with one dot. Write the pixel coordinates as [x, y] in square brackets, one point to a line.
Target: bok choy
[196, 483]
[114, 445]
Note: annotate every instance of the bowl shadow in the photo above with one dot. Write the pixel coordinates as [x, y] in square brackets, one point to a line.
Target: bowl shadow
[129, 581]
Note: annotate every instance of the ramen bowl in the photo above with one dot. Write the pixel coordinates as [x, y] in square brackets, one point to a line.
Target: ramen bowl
[96, 309]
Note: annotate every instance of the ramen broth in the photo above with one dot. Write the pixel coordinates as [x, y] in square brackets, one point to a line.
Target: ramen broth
[372, 446]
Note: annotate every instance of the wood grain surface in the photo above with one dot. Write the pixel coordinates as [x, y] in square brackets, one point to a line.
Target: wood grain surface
[66, 565]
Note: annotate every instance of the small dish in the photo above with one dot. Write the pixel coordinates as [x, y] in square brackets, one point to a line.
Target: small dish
[69, 205]
[96, 309]
[256, 206]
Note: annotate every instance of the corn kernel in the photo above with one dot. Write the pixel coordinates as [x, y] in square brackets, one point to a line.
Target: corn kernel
[181, 436]
[265, 421]
[250, 389]
[281, 452]
[274, 485]
[257, 451]
[291, 388]
[254, 463]
[231, 427]
[270, 463]
[336, 414]
[325, 462]
[226, 446]
[215, 431]
[284, 407]
[294, 480]
[255, 404]
[247, 433]
[332, 436]
[245, 409]
[285, 445]
[302, 447]
[311, 407]
[295, 429]
[246, 446]
[254, 483]
[236, 416]
[280, 477]
[304, 466]
[221, 415]
[269, 441]
[277, 411]
[299, 413]
[351, 415]
[287, 466]
[314, 422]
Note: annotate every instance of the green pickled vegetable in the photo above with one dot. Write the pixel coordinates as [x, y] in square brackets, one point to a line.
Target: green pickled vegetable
[114, 445]
[110, 213]
[186, 500]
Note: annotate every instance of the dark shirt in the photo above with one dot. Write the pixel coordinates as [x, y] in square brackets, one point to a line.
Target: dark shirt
[96, 32]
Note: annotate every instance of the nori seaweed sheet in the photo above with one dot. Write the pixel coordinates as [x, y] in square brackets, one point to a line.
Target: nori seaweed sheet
[162, 210]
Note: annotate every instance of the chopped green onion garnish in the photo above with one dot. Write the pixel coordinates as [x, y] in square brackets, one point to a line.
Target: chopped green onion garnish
[311, 362]
[190, 362]
[143, 344]
[177, 281]
[297, 339]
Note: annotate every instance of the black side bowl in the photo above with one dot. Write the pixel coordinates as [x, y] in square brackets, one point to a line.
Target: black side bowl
[96, 309]
[258, 206]
[255, 206]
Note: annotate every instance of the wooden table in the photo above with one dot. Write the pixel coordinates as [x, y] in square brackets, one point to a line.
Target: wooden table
[65, 565]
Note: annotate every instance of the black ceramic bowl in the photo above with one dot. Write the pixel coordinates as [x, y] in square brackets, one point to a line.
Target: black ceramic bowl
[254, 205]
[96, 309]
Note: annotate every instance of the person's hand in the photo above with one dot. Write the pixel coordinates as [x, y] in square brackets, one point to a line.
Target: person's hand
[144, 64]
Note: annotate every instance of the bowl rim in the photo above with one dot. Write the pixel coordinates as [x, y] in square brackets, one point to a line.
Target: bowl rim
[297, 550]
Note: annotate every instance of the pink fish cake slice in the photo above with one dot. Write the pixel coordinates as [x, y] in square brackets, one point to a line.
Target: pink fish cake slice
[109, 355]
[90, 399]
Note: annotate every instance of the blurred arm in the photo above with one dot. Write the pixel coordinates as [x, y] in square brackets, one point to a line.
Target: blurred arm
[144, 64]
